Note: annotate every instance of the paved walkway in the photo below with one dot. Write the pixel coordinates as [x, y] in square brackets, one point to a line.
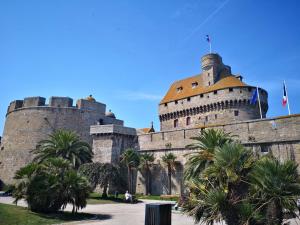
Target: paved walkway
[117, 214]
[124, 214]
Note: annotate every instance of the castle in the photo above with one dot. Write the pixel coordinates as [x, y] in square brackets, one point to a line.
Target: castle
[213, 99]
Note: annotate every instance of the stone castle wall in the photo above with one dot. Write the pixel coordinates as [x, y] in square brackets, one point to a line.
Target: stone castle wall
[30, 120]
[218, 107]
[281, 136]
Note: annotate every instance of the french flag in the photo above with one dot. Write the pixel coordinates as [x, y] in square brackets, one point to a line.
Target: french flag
[284, 98]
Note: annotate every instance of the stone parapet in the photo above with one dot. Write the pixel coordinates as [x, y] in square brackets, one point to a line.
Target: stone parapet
[279, 129]
[112, 129]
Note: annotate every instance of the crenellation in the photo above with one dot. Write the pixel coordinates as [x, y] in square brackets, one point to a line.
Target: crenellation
[60, 102]
[33, 101]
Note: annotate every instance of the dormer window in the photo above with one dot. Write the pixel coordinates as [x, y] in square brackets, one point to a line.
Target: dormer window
[195, 84]
[179, 89]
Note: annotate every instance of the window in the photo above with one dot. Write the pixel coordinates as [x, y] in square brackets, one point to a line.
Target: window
[176, 102]
[175, 123]
[195, 84]
[236, 112]
[230, 89]
[201, 95]
[179, 89]
[215, 92]
[206, 118]
[216, 116]
[209, 83]
[249, 89]
[208, 74]
[188, 121]
[264, 149]
[166, 104]
[188, 99]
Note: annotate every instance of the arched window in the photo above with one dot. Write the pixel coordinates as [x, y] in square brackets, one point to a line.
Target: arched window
[175, 123]
[188, 120]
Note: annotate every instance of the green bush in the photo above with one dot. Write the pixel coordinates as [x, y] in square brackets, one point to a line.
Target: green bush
[51, 185]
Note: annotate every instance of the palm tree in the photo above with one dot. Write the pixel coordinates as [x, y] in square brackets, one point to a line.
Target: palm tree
[206, 144]
[169, 161]
[65, 144]
[274, 187]
[131, 159]
[51, 185]
[146, 161]
[220, 191]
[75, 189]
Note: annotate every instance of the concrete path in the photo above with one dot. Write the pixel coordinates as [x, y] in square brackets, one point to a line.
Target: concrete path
[116, 214]
[124, 214]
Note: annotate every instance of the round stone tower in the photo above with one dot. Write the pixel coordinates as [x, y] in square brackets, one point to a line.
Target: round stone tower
[30, 120]
[215, 96]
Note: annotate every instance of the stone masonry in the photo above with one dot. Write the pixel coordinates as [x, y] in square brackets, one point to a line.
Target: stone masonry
[214, 99]
[30, 120]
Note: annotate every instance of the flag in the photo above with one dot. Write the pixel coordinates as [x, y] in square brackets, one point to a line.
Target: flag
[208, 38]
[284, 98]
[254, 97]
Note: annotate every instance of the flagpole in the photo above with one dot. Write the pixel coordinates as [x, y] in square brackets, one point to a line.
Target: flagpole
[259, 101]
[287, 98]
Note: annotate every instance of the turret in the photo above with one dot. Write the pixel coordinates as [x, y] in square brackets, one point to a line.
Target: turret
[213, 68]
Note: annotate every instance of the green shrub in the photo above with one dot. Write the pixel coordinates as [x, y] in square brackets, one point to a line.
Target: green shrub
[51, 185]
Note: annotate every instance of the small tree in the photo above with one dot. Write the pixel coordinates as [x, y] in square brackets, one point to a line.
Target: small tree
[220, 191]
[102, 174]
[51, 185]
[92, 171]
[169, 161]
[65, 144]
[274, 187]
[206, 144]
[131, 159]
[146, 161]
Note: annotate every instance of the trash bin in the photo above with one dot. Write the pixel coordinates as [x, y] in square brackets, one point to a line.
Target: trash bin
[158, 214]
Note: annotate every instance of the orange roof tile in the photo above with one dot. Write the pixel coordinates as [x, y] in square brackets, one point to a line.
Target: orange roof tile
[188, 91]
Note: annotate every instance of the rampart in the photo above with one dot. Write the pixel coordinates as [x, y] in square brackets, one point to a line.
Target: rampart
[280, 135]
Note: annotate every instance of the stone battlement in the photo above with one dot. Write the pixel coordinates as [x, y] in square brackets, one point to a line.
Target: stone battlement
[56, 102]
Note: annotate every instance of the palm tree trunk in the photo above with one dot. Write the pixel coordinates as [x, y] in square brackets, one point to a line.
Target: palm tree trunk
[274, 213]
[104, 194]
[231, 216]
[147, 181]
[170, 179]
[129, 178]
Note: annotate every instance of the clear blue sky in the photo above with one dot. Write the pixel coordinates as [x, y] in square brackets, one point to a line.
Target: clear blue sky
[127, 52]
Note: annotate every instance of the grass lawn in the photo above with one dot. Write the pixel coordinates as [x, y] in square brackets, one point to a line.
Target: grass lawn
[10, 214]
[95, 198]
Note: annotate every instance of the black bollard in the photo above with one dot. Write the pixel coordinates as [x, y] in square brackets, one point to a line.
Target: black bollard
[158, 214]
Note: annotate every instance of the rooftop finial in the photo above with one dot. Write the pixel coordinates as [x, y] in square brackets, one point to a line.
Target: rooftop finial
[90, 98]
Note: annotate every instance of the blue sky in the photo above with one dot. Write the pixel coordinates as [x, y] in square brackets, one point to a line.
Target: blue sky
[128, 52]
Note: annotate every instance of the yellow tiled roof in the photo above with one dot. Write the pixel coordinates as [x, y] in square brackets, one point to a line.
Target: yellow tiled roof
[188, 91]
[147, 130]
